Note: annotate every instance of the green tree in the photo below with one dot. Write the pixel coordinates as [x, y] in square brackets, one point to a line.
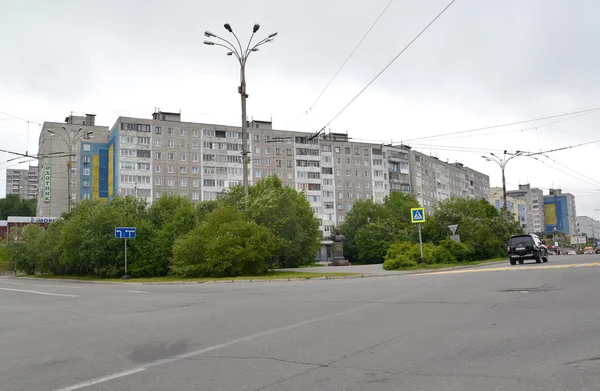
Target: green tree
[371, 228]
[13, 205]
[358, 218]
[226, 244]
[480, 226]
[87, 245]
[286, 213]
[171, 217]
[23, 247]
[49, 255]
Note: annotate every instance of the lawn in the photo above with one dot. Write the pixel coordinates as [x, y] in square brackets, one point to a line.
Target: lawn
[272, 275]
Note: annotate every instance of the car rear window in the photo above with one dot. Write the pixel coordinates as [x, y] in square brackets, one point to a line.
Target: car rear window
[520, 240]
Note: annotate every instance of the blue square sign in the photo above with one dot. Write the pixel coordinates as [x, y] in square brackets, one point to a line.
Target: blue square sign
[125, 232]
[417, 215]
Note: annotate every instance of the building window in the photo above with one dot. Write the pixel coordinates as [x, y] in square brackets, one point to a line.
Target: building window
[158, 143]
[171, 170]
[195, 134]
[195, 196]
[158, 130]
[157, 168]
[170, 143]
[182, 157]
[86, 183]
[182, 132]
[170, 131]
[196, 183]
[183, 183]
[86, 171]
[257, 173]
[158, 181]
[183, 170]
[158, 155]
[171, 182]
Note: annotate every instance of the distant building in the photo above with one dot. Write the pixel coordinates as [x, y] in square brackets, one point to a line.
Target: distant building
[433, 180]
[150, 157]
[87, 161]
[588, 226]
[516, 203]
[560, 213]
[24, 183]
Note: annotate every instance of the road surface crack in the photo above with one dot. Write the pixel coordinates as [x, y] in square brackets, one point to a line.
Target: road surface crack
[259, 358]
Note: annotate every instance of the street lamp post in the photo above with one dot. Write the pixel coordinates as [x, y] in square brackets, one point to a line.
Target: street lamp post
[502, 163]
[70, 141]
[242, 57]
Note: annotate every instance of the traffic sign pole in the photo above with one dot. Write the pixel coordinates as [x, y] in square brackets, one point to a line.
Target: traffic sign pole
[126, 276]
[125, 233]
[421, 244]
[417, 216]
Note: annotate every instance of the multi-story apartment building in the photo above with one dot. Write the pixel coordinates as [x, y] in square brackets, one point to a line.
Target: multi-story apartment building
[73, 163]
[534, 208]
[149, 157]
[23, 182]
[588, 226]
[433, 180]
[515, 203]
[560, 213]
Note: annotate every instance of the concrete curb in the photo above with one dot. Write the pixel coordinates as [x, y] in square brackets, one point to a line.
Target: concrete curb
[200, 282]
[389, 274]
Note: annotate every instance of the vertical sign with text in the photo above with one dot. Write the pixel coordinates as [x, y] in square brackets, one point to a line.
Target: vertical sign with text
[47, 169]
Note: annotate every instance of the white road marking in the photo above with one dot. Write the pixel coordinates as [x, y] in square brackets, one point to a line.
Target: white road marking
[58, 286]
[138, 291]
[101, 380]
[38, 292]
[215, 347]
[12, 283]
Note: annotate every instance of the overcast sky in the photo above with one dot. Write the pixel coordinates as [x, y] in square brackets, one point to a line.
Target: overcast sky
[483, 63]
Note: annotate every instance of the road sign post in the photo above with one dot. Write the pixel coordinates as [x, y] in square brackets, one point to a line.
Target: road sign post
[125, 233]
[417, 216]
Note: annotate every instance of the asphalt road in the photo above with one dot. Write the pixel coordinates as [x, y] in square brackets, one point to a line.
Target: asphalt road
[531, 327]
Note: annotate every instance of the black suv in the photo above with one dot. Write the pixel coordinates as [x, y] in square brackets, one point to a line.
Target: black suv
[522, 247]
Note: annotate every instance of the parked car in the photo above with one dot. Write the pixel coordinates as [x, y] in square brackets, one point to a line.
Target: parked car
[523, 247]
[588, 250]
[571, 252]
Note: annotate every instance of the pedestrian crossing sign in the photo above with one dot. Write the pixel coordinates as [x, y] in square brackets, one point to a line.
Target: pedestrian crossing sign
[417, 215]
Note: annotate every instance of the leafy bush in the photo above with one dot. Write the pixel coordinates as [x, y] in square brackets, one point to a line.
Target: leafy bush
[374, 240]
[25, 250]
[87, 246]
[225, 245]
[400, 260]
[286, 213]
[450, 251]
[370, 228]
[411, 251]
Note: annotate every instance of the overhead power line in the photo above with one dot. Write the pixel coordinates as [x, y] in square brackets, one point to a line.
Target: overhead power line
[20, 118]
[390, 63]
[515, 130]
[563, 148]
[503, 125]
[345, 61]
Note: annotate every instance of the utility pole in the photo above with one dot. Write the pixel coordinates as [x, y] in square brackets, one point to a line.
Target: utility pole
[502, 163]
[242, 57]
